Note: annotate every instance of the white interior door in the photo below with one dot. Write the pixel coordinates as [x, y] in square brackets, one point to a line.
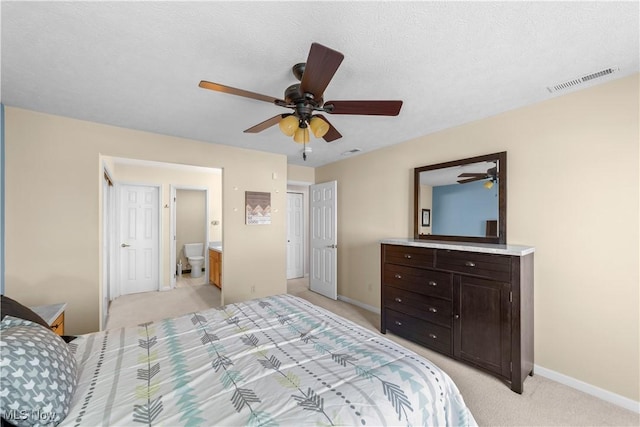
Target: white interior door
[324, 241]
[139, 239]
[295, 236]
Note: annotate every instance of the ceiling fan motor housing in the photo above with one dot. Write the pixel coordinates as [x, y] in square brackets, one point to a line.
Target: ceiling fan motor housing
[298, 70]
[293, 93]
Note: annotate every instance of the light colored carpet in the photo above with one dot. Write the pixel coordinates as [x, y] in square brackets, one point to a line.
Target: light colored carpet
[133, 309]
[492, 403]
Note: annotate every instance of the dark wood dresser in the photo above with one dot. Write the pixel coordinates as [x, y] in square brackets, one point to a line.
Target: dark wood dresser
[472, 302]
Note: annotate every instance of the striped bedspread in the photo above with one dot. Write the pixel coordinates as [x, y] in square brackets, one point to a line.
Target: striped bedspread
[273, 361]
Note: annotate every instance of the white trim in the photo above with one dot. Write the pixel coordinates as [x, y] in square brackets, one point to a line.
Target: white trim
[598, 392]
[592, 390]
[359, 304]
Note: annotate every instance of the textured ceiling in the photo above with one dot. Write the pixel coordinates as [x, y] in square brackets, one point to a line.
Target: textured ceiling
[138, 64]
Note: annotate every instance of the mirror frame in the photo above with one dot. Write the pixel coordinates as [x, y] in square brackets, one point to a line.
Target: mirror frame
[502, 199]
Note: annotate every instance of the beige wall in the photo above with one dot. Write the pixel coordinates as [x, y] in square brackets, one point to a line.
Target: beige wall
[53, 210]
[300, 174]
[573, 186]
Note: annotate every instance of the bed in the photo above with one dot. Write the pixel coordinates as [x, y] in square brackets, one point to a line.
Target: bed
[278, 360]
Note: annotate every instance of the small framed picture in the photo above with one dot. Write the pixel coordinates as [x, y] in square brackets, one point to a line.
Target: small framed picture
[258, 208]
[426, 217]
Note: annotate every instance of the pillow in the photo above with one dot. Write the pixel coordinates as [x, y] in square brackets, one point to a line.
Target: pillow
[15, 309]
[37, 374]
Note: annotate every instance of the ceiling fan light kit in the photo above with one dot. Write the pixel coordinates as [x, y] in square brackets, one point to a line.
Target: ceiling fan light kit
[306, 98]
[288, 125]
[301, 135]
[318, 126]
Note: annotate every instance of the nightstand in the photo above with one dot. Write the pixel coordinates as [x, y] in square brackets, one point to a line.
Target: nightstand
[53, 314]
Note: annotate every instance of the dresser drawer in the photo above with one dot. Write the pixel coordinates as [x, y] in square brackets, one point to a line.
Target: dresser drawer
[426, 282]
[421, 331]
[434, 310]
[409, 255]
[496, 267]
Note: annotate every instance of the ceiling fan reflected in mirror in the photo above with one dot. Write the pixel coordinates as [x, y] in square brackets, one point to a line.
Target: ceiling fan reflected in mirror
[306, 100]
[491, 175]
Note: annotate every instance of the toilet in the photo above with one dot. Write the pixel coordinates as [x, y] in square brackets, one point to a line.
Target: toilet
[193, 252]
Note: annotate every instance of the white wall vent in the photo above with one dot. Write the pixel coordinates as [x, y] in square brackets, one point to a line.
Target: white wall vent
[580, 80]
[350, 152]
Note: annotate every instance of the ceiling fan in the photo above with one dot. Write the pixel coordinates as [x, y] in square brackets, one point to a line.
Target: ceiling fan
[492, 174]
[306, 100]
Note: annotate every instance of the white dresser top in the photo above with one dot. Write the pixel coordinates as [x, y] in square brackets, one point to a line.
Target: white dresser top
[49, 313]
[487, 248]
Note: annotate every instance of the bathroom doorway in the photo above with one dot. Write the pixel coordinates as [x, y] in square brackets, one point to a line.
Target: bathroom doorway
[189, 224]
[164, 176]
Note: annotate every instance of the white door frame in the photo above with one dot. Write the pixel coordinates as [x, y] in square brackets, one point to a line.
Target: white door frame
[108, 247]
[300, 230]
[323, 207]
[118, 186]
[172, 231]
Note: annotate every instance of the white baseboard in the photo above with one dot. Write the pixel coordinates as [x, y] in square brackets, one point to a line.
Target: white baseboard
[359, 304]
[592, 390]
[598, 392]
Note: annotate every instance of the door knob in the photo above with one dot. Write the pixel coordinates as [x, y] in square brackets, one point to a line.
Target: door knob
[124, 245]
[333, 246]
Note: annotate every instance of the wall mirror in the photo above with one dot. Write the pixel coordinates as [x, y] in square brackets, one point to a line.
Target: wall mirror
[463, 200]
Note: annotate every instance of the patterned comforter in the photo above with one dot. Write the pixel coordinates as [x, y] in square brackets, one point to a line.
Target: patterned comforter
[273, 361]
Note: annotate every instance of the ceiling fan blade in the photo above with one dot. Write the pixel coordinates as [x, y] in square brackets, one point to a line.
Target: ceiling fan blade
[322, 63]
[464, 181]
[333, 133]
[469, 174]
[266, 124]
[369, 108]
[240, 92]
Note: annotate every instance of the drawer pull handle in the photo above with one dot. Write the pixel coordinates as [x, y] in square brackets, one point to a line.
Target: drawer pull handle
[397, 276]
[433, 336]
[398, 299]
[407, 256]
[398, 323]
[432, 283]
[470, 264]
[433, 309]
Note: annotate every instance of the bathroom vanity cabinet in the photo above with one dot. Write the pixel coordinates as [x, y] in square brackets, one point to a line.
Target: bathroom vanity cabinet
[215, 268]
[472, 302]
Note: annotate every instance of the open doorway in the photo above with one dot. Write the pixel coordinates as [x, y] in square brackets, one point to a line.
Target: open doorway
[190, 211]
[295, 235]
[298, 223]
[164, 176]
